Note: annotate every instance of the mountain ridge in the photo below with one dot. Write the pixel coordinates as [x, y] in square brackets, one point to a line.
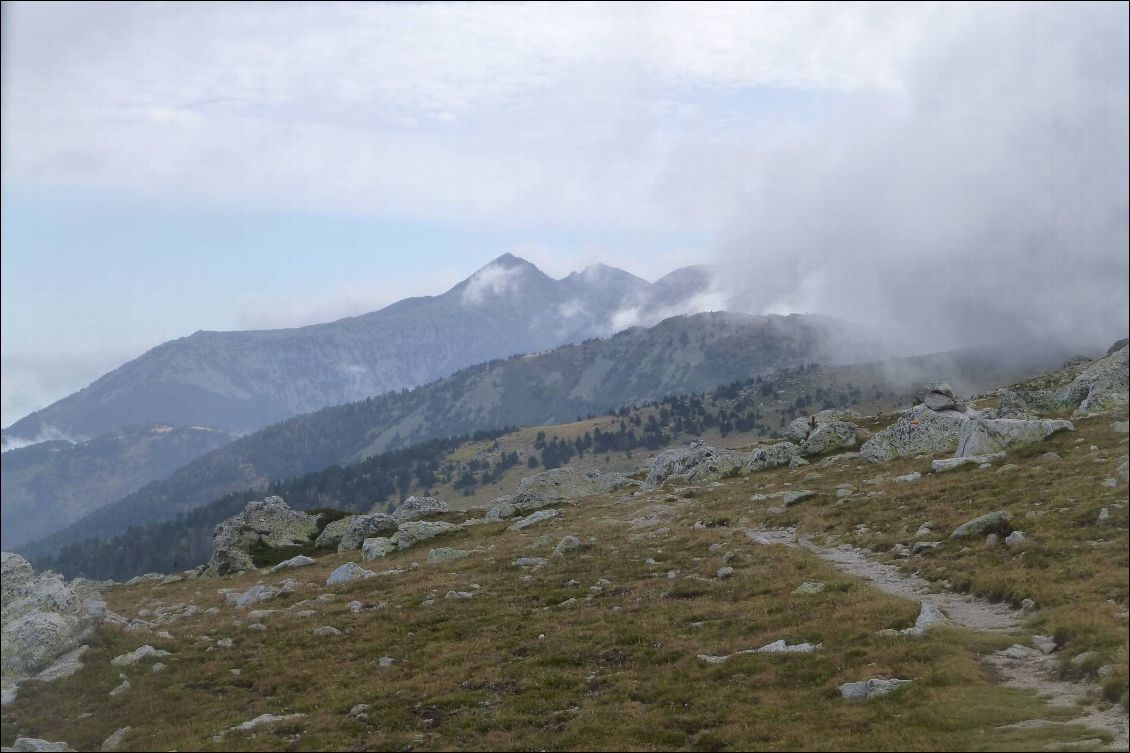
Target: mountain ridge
[240, 381]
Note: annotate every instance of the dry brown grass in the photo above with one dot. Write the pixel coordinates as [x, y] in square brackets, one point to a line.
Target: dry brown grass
[617, 668]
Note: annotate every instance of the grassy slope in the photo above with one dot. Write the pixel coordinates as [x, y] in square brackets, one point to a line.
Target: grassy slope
[619, 669]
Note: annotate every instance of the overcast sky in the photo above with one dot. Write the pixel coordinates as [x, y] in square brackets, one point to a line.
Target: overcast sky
[961, 169]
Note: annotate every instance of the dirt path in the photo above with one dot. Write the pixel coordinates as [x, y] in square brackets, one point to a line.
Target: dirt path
[1021, 667]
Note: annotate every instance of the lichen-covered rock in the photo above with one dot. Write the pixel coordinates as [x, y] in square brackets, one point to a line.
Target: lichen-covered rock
[919, 430]
[696, 463]
[447, 554]
[552, 486]
[771, 456]
[532, 519]
[363, 527]
[42, 619]
[823, 432]
[412, 532]
[377, 547]
[981, 436]
[268, 522]
[415, 508]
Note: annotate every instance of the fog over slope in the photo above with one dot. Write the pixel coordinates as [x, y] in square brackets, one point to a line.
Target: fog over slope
[987, 202]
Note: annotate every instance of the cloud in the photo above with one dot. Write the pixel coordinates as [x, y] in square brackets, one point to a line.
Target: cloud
[29, 382]
[515, 112]
[492, 280]
[987, 202]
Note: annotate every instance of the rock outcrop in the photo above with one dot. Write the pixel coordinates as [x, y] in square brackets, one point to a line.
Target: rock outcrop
[771, 456]
[266, 522]
[43, 622]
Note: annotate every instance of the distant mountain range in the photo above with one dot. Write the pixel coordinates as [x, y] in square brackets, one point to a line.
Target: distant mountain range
[243, 381]
[681, 354]
[48, 485]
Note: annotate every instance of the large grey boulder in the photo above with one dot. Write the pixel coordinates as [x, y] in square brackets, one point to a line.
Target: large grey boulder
[413, 532]
[415, 508]
[270, 522]
[532, 519]
[940, 396]
[983, 436]
[552, 486]
[771, 456]
[43, 620]
[695, 463]
[919, 430]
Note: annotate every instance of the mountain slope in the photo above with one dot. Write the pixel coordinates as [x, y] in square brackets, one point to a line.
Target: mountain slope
[49, 485]
[242, 381]
[681, 354]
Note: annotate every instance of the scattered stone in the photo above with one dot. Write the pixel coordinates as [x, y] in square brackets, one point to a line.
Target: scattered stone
[530, 562]
[459, 595]
[114, 741]
[533, 519]
[326, 631]
[566, 544]
[1014, 539]
[36, 744]
[447, 554]
[771, 456]
[923, 546]
[385, 661]
[992, 539]
[1044, 643]
[950, 464]
[254, 595]
[123, 687]
[547, 488]
[347, 572]
[865, 690]
[1051, 457]
[300, 561]
[1104, 515]
[725, 572]
[996, 522]
[809, 588]
[791, 498]
[908, 478]
[137, 655]
[259, 721]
